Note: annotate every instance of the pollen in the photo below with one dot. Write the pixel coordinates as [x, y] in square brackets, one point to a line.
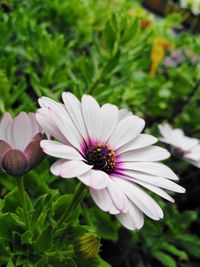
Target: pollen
[102, 157]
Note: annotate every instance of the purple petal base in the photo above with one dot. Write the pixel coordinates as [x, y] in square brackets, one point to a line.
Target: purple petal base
[34, 152]
[15, 163]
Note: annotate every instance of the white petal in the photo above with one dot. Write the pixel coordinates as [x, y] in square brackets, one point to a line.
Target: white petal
[155, 180]
[178, 133]
[9, 135]
[123, 113]
[109, 115]
[69, 169]
[22, 131]
[35, 127]
[4, 123]
[126, 131]
[189, 144]
[141, 199]
[117, 195]
[59, 150]
[156, 190]
[194, 163]
[46, 102]
[193, 155]
[196, 150]
[73, 107]
[154, 168]
[92, 116]
[65, 125]
[103, 200]
[95, 179]
[166, 130]
[152, 153]
[63, 121]
[48, 125]
[177, 138]
[134, 219]
[140, 141]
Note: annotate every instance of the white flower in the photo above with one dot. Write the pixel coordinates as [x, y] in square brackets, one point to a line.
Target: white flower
[193, 5]
[182, 146]
[104, 148]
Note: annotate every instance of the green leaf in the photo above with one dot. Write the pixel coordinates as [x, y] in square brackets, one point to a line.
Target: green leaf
[10, 222]
[103, 263]
[17, 245]
[10, 263]
[141, 264]
[94, 262]
[44, 240]
[38, 205]
[130, 31]
[111, 65]
[191, 244]
[164, 258]
[43, 211]
[41, 263]
[175, 251]
[11, 201]
[4, 251]
[186, 218]
[26, 238]
[61, 204]
[109, 36]
[101, 221]
[71, 263]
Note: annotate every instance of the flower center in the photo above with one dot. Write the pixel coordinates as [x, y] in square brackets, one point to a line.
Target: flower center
[102, 157]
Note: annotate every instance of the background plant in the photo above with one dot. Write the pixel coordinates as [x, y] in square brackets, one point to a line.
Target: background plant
[96, 47]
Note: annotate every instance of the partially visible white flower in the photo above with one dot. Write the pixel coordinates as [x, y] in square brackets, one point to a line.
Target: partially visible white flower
[196, 7]
[184, 3]
[182, 146]
[193, 5]
[104, 148]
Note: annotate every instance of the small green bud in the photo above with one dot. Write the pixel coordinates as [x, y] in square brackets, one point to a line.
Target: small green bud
[88, 246]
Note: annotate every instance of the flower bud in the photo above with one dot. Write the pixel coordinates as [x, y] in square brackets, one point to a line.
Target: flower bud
[15, 163]
[20, 138]
[88, 246]
[33, 151]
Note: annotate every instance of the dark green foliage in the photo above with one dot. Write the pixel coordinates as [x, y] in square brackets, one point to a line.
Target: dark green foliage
[96, 47]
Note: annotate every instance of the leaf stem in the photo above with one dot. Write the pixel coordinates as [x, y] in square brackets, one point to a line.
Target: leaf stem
[78, 196]
[23, 201]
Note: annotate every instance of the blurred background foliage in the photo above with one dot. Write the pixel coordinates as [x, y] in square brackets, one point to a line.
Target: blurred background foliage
[107, 49]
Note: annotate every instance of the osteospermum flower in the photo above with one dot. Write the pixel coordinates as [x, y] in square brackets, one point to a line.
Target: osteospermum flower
[104, 148]
[20, 139]
[182, 146]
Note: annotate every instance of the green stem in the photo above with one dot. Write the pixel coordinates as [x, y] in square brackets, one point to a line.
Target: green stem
[95, 84]
[78, 196]
[59, 254]
[23, 201]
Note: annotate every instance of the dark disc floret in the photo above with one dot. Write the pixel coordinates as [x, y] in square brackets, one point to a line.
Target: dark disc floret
[102, 157]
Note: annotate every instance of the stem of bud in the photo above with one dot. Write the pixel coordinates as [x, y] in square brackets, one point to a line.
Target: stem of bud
[23, 201]
[78, 196]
